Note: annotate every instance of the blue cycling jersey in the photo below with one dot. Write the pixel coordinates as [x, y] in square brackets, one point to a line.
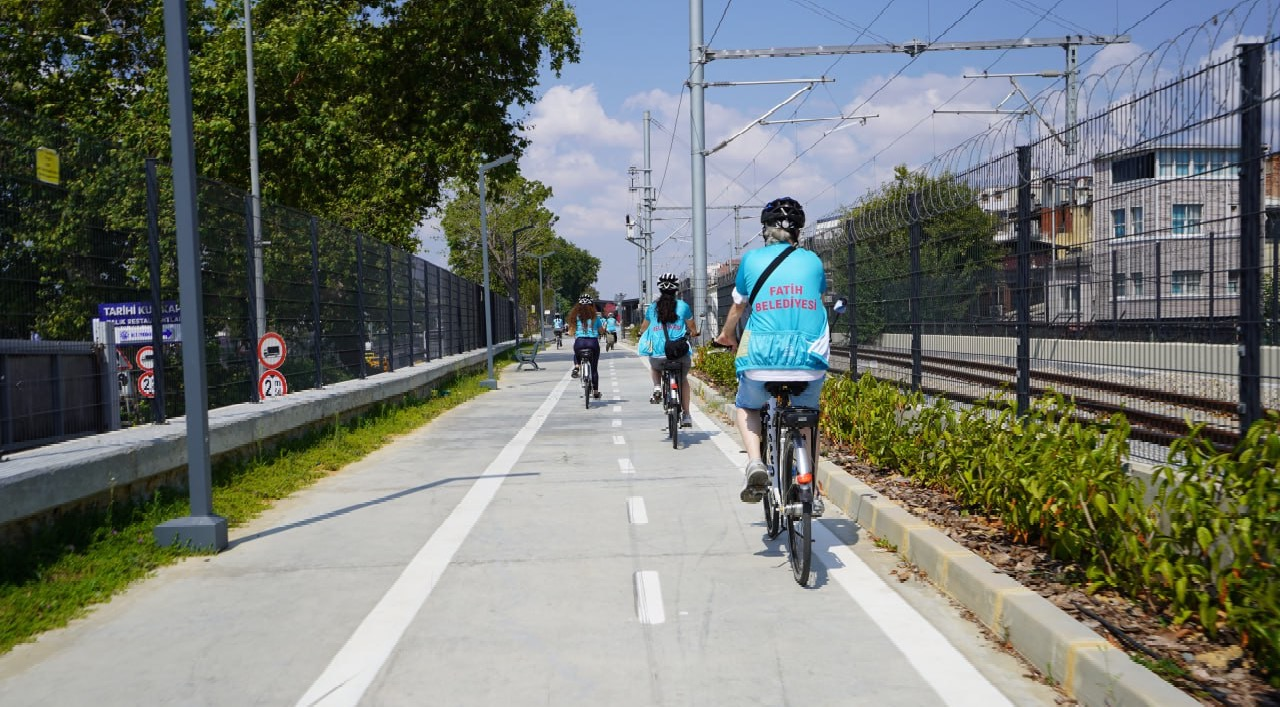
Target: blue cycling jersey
[588, 330]
[787, 328]
[652, 342]
[611, 324]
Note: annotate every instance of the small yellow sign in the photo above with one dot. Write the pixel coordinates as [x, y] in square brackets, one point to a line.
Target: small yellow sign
[47, 169]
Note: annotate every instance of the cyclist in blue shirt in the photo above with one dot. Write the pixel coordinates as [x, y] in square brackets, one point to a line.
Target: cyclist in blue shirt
[588, 326]
[611, 328]
[786, 337]
[557, 325]
[677, 317]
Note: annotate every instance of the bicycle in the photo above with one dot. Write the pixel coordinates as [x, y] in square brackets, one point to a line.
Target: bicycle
[671, 399]
[559, 338]
[789, 504]
[583, 361]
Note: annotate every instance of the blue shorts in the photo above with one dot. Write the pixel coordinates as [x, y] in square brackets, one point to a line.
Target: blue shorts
[753, 396]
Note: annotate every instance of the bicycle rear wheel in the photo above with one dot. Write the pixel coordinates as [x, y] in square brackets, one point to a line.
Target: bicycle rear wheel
[799, 525]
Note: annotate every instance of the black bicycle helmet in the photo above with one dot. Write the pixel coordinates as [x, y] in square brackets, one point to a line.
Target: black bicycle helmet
[585, 300]
[783, 213]
[668, 281]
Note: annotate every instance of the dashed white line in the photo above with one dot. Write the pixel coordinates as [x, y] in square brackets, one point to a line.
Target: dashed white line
[625, 466]
[635, 510]
[619, 439]
[617, 408]
[649, 598]
[617, 423]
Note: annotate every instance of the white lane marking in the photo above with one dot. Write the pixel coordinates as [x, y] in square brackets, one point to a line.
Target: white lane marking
[617, 408]
[357, 663]
[625, 466]
[635, 510]
[649, 598]
[950, 674]
[946, 670]
[619, 439]
[617, 423]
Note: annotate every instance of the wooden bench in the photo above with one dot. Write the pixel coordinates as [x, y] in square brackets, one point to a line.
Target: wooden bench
[527, 354]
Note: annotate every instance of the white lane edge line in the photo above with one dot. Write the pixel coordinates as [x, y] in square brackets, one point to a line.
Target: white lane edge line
[649, 598]
[358, 662]
[932, 654]
[935, 658]
[636, 511]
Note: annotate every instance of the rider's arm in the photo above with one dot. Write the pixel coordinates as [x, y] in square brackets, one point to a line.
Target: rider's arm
[692, 327]
[729, 332]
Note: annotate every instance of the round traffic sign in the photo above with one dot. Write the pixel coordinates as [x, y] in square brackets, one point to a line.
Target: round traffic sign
[146, 358]
[271, 350]
[147, 384]
[272, 384]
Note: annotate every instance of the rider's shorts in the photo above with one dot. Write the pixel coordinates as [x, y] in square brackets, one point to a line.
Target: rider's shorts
[753, 396]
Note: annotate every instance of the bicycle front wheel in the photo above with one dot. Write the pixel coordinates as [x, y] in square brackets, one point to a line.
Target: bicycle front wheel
[799, 524]
[772, 517]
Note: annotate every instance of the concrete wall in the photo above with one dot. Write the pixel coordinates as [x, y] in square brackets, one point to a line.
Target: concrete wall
[38, 484]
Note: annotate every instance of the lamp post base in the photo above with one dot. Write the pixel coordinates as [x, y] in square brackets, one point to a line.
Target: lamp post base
[489, 383]
[200, 532]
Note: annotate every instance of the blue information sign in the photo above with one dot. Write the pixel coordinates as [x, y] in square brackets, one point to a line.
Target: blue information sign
[138, 313]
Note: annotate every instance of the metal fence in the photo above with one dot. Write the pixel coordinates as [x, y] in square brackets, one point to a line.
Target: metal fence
[84, 224]
[1129, 260]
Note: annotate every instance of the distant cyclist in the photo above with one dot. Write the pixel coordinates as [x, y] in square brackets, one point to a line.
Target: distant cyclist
[588, 327]
[786, 336]
[557, 325]
[676, 317]
[611, 329]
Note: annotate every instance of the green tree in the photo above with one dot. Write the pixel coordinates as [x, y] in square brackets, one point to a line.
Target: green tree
[957, 252]
[365, 109]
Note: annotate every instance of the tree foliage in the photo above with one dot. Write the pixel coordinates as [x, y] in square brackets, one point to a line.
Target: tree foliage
[365, 109]
[957, 253]
[512, 202]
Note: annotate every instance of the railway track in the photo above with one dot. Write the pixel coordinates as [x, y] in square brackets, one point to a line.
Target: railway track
[1155, 416]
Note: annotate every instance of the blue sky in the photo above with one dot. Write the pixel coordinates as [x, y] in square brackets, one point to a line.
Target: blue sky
[587, 127]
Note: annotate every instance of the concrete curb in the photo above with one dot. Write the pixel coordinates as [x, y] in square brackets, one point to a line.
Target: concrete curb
[40, 482]
[1084, 664]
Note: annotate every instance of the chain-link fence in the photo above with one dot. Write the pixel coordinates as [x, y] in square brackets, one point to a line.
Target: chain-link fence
[1129, 260]
[86, 231]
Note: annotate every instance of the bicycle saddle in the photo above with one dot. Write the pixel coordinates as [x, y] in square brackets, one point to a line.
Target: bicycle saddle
[788, 387]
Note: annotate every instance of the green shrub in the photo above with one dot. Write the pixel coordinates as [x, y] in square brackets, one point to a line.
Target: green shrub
[717, 367]
[1057, 481]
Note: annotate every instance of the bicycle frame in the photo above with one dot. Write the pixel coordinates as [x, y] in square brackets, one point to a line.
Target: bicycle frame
[671, 390]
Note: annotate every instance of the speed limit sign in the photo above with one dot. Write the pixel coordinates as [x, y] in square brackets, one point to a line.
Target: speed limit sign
[147, 384]
[272, 384]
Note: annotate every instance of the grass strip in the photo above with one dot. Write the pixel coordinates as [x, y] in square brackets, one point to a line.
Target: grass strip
[86, 557]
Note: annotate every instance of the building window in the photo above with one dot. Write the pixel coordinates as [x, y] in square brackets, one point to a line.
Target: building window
[1135, 220]
[1233, 282]
[1187, 282]
[1117, 223]
[1071, 298]
[1136, 167]
[1181, 163]
[1117, 285]
[1136, 279]
[1186, 219]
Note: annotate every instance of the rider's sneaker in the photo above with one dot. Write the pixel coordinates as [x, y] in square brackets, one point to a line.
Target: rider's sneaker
[596, 395]
[818, 507]
[755, 482]
[686, 420]
[575, 373]
[657, 395]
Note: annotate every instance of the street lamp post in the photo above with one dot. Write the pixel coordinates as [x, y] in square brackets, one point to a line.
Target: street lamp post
[542, 312]
[489, 382]
[515, 280]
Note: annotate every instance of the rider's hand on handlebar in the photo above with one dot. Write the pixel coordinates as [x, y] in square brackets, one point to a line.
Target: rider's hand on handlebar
[725, 341]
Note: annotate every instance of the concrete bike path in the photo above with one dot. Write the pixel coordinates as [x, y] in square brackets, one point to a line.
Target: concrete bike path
[523, 550]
